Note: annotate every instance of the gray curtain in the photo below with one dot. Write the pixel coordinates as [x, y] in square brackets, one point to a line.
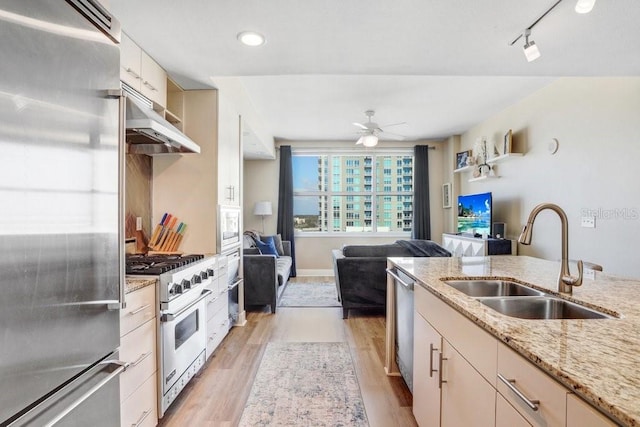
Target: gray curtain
[285, 202]
[421, 215]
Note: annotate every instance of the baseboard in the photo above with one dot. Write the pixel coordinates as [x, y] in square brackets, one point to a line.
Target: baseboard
[302, 273]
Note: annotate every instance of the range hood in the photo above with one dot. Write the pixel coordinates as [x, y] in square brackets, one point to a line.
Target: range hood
[149, 133]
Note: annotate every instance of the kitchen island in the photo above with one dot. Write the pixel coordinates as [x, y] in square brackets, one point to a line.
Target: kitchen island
[598, 359]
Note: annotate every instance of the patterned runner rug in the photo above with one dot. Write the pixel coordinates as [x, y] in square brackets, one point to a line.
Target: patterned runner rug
[305, 384]
[321, 294]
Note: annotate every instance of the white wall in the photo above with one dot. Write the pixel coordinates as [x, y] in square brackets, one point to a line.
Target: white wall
[597, 123]
[314, 253]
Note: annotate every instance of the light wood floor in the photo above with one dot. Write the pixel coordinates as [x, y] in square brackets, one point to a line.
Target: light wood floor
[216, 397]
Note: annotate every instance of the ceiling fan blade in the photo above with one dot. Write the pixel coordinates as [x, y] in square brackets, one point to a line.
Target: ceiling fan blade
[394, 124]
[360, 125]
[395, 136]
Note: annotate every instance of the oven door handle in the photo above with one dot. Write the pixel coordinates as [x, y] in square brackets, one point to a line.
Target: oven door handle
[168, 317]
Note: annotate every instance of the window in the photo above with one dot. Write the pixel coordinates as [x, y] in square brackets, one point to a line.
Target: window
[329, 196]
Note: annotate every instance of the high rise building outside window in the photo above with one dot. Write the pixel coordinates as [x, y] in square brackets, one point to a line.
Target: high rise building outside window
[346, 207]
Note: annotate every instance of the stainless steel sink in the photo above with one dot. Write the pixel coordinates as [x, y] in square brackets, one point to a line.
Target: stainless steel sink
[492, 288]
[545, 307]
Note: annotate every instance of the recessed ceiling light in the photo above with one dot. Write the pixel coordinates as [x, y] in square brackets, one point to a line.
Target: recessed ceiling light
[251, 38]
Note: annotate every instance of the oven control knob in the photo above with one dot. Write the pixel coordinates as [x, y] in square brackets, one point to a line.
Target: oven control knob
[186, 284]
[204, 275]
[176, 289]
[196, 279]
[210, 272]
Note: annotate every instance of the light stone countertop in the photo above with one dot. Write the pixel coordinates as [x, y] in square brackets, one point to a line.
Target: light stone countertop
[597, 358]
[135, 283]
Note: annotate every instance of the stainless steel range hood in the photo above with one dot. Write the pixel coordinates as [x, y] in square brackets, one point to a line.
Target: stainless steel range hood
[149, 133]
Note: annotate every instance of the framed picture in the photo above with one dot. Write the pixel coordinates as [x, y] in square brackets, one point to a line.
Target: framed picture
[462, 159]
[446, 195]
[507, 142]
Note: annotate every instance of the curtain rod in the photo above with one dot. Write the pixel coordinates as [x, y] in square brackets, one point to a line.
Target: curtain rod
[430, 147]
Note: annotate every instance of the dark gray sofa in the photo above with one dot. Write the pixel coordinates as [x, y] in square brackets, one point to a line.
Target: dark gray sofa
[265, 276]
[360, 272]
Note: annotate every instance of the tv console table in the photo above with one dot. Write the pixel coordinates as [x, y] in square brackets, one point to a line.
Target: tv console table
[460, 245]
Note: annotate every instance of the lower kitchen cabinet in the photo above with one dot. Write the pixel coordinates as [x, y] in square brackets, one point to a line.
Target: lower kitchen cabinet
[426, 372]
[138, 348]
[507, 416]
[217, 321]
[581, 414]
[483, 382]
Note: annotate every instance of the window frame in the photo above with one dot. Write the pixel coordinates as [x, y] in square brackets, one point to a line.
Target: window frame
[375, 194]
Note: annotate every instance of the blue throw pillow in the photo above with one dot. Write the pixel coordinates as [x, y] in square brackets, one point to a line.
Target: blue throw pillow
[267, 248]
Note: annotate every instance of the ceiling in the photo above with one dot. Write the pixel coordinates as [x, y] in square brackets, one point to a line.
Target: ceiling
[441, 66]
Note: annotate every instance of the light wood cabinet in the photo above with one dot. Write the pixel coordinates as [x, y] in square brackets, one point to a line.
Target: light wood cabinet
[580, 414]
[138, 383]
[426, 372]
[229, 154]
[484, 382]
[507, 416]
[141, 72]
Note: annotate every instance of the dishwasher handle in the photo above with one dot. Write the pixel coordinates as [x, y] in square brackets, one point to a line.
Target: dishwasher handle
[397, 278]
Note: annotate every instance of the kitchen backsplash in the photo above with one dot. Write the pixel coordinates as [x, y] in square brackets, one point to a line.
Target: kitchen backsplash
[138, 193]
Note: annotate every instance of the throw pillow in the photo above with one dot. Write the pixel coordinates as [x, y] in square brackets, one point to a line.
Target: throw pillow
[267, 248]
[277, 242]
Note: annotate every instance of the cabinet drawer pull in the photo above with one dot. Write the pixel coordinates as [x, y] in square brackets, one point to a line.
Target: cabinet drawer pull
[139, 309]
[532, 404]
[440, 380]
[431, 370]
[144, 415]
[149, 85]
[140, 359]
[133, 73]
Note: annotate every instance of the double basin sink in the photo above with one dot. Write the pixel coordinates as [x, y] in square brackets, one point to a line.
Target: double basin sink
[517, 300]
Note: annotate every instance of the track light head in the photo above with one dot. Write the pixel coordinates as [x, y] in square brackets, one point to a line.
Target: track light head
[531, 51]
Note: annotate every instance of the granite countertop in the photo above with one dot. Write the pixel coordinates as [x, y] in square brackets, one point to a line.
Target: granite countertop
[597, 358]
[135, 283]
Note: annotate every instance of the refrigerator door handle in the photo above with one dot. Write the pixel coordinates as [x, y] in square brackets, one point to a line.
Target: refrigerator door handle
[121, 366]
[119, 94]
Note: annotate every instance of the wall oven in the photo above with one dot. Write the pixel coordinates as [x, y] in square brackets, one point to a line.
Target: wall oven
[229, 234]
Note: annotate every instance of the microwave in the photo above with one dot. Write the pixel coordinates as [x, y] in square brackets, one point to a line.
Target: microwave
[229, 233]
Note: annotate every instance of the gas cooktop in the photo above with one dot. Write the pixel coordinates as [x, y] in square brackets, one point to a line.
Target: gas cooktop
[158, 264]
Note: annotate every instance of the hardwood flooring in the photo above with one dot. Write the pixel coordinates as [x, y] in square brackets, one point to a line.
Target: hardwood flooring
[216, 396]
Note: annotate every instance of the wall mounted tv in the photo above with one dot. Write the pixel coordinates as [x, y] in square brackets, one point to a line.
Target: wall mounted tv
[474, 213]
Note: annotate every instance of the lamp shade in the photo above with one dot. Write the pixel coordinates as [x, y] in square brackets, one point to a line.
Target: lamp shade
[369, 140]
[263, 208]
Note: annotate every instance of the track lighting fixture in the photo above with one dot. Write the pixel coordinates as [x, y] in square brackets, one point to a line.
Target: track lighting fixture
[585, 6]
[531, 51]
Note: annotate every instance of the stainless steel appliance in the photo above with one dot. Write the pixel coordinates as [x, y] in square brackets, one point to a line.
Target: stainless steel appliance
[229, 235]
[233, 282]
[404, 324]
[183, 280]
[60, 241]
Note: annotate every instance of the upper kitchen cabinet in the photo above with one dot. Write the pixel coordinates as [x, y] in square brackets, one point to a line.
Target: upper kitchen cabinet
[141, 72]
[229, 153]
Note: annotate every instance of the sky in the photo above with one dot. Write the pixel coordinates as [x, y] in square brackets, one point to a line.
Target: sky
[305, 178]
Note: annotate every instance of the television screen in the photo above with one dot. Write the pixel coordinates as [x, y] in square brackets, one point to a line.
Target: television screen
[474, 213]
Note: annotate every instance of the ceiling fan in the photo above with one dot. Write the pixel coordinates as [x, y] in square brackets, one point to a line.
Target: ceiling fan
[370, 130]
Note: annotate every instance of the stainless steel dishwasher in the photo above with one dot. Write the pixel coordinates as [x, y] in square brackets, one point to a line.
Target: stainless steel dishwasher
[404, 324]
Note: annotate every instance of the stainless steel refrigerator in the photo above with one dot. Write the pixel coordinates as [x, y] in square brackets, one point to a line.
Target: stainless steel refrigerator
[60, 214]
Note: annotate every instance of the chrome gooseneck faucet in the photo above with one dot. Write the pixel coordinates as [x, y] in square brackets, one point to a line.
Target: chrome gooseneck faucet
[565, 281]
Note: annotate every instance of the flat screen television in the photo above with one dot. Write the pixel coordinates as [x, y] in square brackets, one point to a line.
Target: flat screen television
[474, 213]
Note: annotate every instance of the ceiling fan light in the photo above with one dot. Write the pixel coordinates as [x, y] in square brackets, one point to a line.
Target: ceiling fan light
[369, 140]
[585, 6]
[531, 51]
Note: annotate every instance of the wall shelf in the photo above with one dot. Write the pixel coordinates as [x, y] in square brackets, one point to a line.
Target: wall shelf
[464, 169]
[503, 157]
[484, 178]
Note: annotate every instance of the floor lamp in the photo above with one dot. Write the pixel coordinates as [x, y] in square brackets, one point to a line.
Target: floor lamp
[263, 209]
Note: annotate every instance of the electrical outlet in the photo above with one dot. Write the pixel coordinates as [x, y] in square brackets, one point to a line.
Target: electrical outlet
[588, 221]
[138, 223]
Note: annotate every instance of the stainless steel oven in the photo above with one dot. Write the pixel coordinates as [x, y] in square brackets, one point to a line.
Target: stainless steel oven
[182, 291]
[184, 341]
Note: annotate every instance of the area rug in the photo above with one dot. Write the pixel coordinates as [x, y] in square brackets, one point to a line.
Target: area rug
[320, 294]
[305, 384]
